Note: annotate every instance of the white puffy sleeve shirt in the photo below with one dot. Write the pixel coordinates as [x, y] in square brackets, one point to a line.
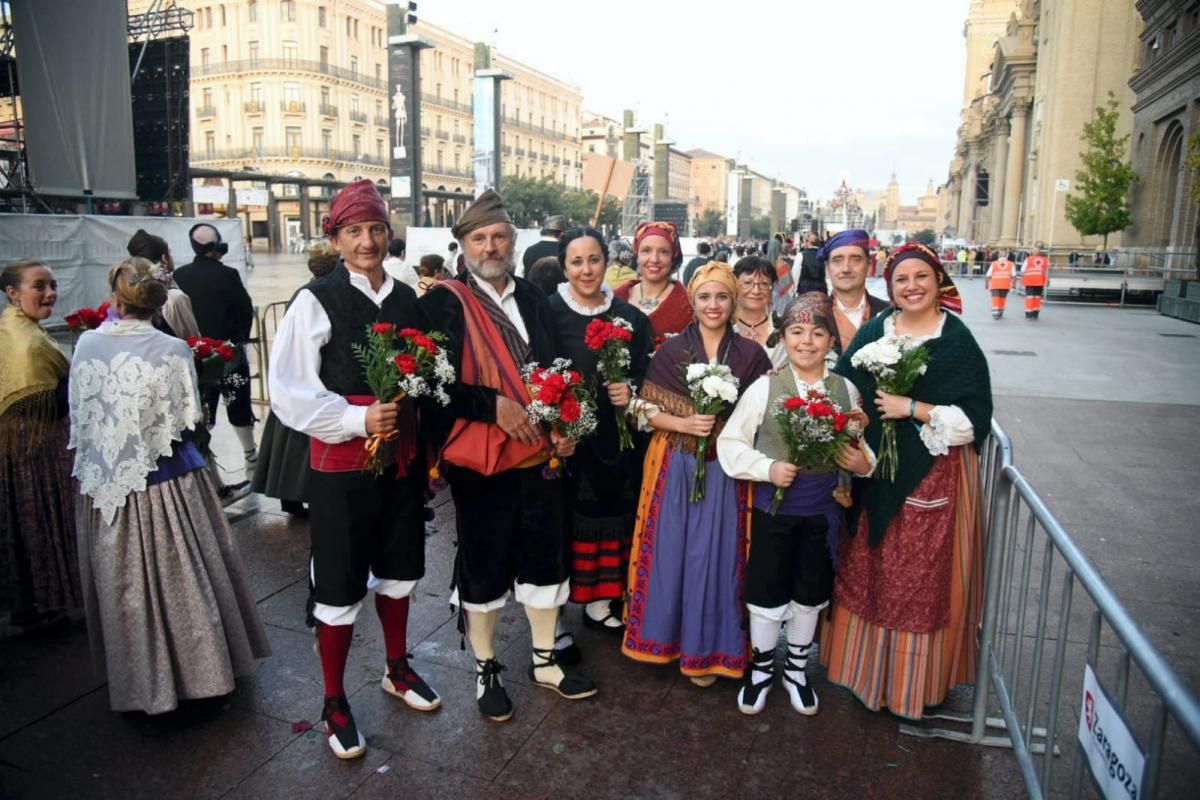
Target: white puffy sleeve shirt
[298, 397]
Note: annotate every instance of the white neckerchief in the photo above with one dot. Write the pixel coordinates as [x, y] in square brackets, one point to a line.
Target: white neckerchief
[802, 386]
[564, 291]
[855, 314]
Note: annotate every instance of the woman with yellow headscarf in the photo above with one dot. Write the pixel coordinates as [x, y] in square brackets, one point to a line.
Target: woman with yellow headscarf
[687, 557]
[39, 571]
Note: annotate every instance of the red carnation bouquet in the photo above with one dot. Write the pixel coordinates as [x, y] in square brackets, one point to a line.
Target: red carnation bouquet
[214, 359]
[814, 428]
[397, 364]
[86, 319]
[561, 400]
[609, 339]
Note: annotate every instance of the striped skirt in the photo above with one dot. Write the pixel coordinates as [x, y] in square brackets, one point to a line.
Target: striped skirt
[905, 671]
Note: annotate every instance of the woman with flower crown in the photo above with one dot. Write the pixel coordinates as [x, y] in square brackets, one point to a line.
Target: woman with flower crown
[684, 594]
[909, 586]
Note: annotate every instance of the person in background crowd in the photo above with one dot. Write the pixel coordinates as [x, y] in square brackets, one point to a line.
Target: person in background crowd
[1035, 277]
[456, 258]
[908, 593]
[39, 566]
[702, 257]
[789, 572]
[283, 453]
[223, 310]
[684, 585]
[547, 245]
[807, 273]
[844, 258]
[395, 266]
[430, 270]
[177, 312]
[775, 248]
[752, 317]
[368, 530]
[170, 614]
[547, 274]
[602, 479]
[620, 264]
[656, 293]
[512, 522]
[999, 282]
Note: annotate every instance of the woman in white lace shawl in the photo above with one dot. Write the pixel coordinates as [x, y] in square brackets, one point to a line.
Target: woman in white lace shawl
[170, 615]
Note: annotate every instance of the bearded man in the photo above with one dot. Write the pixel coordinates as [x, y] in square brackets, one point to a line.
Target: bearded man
[512, 522]
[368, 531]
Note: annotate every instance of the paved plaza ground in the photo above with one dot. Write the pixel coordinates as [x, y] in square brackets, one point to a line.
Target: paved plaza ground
[1103, 407]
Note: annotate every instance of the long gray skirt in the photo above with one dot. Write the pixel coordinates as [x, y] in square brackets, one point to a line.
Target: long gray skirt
[170, 615]
[283, 462]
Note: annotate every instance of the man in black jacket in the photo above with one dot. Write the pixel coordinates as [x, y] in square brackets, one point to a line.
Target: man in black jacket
[552, 231]
[223, 310]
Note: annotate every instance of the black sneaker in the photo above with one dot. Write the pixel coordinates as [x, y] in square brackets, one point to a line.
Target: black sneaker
[401, 681]
[233, 492]
[493, 700]
[344, 739]
[573, 686]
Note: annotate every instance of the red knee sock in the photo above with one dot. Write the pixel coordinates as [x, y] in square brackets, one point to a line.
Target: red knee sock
[393, 617]
[334, 642]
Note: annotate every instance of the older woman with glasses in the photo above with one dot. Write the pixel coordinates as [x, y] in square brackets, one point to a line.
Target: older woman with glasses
[752, 317]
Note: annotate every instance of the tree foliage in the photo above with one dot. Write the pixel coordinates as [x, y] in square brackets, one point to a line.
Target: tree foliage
[1102, 204]
[711, 223]
[925, 236]
[760, 228]
[530, 201]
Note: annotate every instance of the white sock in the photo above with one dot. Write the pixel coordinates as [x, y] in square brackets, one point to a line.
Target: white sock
[542, 622]
[245, 434]
[764, 633]
[800, 631]
[481, 633]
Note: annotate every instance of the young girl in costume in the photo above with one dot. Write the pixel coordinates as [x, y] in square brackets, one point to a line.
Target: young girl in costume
[789, 572]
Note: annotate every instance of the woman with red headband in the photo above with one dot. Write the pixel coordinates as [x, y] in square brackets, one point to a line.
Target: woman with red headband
[656, 293]
[909, 587]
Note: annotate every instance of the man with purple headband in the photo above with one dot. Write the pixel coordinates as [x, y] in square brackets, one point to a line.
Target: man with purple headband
[846, 258]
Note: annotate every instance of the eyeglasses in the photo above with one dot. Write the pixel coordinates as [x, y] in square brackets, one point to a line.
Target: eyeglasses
[750, 286]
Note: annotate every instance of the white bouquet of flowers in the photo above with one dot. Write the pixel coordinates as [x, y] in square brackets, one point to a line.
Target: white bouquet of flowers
[896, 362]
[711, 388]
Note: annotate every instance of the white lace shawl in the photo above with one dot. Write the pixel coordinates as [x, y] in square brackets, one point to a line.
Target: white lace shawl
[132, 393]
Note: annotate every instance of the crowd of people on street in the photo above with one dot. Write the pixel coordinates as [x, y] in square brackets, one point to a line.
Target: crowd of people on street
[683, 521]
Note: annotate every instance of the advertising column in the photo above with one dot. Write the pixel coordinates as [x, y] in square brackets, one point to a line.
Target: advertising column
[487, 123]
[406, 204]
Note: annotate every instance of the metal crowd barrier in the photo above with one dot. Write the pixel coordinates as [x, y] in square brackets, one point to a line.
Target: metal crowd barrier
[1038, 694]
[267, 322]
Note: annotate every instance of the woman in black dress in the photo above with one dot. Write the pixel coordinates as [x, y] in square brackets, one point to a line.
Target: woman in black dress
[603, 480]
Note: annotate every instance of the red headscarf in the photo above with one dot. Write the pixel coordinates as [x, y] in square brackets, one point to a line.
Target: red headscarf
[664, 229]
[357, 202]
[948, 296]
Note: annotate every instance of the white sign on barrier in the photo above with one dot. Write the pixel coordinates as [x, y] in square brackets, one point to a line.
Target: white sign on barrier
[1117, 763]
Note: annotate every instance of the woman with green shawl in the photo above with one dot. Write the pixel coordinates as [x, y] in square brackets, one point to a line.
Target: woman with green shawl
[908, 592]
[39, 570]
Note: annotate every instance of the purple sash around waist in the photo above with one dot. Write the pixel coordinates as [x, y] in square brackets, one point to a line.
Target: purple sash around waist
[808, 496]
[185, 457]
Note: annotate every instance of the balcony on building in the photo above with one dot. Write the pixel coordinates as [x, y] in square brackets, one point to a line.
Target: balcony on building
[254, 107]
[358, 116]
[328, 110]
[444, 135]
[461, 139]
[424, 131]
[206, 111]
[382, 122]
[288, 65]
[292, 106]
[453, 105]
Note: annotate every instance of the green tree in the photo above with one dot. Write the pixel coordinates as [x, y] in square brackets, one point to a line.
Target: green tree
[760, 228]
[710, 223]
[925, 236]
[1102, 205]
[531, 200]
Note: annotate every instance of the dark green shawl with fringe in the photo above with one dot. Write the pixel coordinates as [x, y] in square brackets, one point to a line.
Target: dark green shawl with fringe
[957, 375]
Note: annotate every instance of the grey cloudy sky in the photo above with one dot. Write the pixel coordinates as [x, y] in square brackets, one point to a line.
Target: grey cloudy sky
[811, 92]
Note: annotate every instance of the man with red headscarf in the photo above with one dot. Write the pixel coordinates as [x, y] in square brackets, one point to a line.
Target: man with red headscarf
[368, 532]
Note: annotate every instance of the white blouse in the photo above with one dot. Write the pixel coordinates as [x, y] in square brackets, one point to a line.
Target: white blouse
[948, 425]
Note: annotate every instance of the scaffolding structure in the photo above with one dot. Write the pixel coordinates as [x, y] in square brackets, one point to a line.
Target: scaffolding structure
[639, 203]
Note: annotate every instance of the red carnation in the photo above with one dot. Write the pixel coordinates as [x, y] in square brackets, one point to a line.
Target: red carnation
[383, 327]
[423, 341]
[623, 334]
[90, 319]
[73, 321]
[407, 333]
[226, 351]
[406, 363]
[821, 409]
[569, 410]
[794, 403]
[203, 350]
[102, 309]
[839, 422]
[574, 378]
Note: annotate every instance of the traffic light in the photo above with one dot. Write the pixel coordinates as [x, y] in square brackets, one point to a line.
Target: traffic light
[412, 12]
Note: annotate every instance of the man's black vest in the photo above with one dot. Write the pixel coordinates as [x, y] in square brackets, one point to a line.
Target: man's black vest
[350, 312]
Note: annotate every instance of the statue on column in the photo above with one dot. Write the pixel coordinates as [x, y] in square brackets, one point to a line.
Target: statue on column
[401, 116]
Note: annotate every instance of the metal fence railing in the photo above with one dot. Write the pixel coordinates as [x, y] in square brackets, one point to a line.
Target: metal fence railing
[1033, 651]
[266, 322]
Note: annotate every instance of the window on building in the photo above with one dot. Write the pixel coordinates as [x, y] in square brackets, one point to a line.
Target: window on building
[379, 109]
[256, 137]
[355, 29]
[379, 149]
[224, 52]
[324, 95]
[207, 98]
[289, 10]
[438, 94]
[354, 104]
[293, 138]
[208, 17]
[291, 96]
[356, 142]
[324, 56]
[354, 64]
[253, 50]
[349, 26]
[253, 9]
[456, 95]
[441, 154]
[256, 93]
[379, 72]
[210, 144]
[222, 16]
[291, 51]
[322, 19]
[457, 160]
[327, 143]
[204, 56]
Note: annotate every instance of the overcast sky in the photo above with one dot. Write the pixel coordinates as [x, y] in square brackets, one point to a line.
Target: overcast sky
[810, 91]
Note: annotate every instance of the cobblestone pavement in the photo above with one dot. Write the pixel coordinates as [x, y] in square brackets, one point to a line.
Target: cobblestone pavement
[1102, 408]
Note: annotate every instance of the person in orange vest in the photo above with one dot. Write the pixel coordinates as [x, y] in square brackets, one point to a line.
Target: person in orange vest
[999, 282]
[1035, 277]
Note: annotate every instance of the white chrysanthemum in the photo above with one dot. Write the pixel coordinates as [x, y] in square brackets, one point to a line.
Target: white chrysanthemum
[712, 385]
[696, 371]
